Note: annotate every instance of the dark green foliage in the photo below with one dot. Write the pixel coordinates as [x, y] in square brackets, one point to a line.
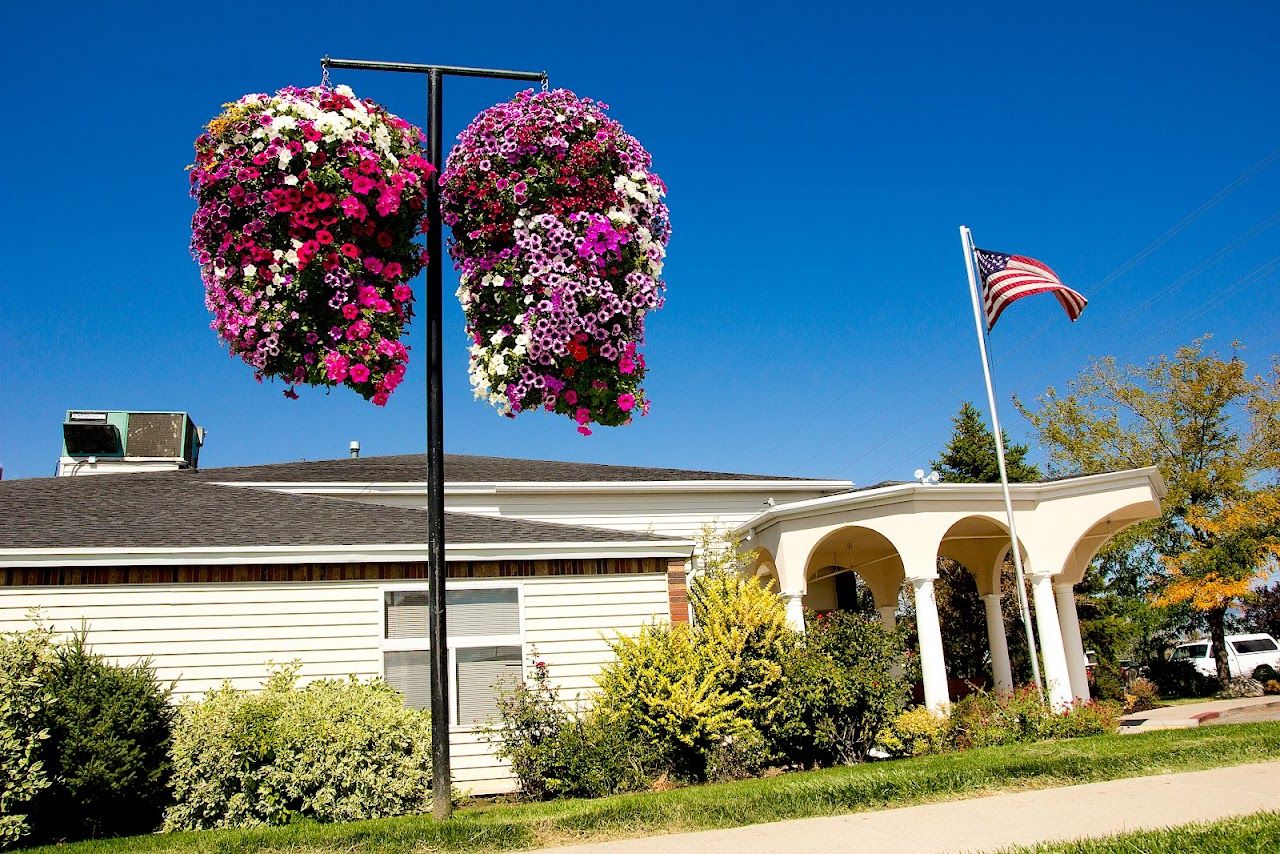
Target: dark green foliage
[970, 456]
[840, 690]
[1180, 679]
[1265, 673]
[1261, 611]
[107, 754]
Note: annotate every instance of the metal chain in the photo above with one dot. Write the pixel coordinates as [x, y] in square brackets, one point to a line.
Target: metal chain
[546, 83]
[324, 72]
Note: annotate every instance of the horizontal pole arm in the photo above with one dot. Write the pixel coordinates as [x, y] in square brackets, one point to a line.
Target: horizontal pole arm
[418, 68]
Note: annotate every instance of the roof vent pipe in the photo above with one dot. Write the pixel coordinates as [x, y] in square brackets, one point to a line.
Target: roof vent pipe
[355, 449]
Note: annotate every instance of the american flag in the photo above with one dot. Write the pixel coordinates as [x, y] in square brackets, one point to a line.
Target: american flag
[1008, 278]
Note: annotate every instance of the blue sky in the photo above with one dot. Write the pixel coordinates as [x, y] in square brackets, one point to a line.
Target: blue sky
[819, 159]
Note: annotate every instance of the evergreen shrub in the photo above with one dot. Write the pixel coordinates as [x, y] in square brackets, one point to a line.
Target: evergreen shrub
[1180, 679]
[107, 754]
[333, 750]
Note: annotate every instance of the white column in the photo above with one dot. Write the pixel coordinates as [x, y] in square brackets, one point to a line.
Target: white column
[1056, 676]
[795, 610]
[1001, 671]
[888, 616]
[933, 665]
[1077, 664]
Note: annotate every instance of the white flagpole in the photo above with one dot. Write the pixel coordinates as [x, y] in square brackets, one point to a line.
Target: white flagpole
[966, 238]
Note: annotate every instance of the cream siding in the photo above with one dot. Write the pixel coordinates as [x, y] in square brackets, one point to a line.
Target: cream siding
[200, 635]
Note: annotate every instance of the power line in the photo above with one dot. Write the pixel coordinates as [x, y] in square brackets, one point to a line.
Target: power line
[1240, 180]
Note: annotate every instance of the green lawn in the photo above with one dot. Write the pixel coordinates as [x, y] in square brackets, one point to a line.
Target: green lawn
[1253, 834]
[835, 790]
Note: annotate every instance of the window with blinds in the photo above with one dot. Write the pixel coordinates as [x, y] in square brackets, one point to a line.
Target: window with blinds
[409, 672]
[485, 648]
[484, 674]
[468, 613]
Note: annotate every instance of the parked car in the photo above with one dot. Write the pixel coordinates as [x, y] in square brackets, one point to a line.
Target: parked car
[1245, 654]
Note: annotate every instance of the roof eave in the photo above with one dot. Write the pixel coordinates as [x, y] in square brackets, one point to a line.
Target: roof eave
[372, 553]
[951, 492]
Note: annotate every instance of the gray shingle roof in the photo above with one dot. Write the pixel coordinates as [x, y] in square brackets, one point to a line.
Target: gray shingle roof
[167, 511]
[459, 468]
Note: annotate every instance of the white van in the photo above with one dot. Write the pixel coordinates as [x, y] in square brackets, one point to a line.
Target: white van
[1245, 654]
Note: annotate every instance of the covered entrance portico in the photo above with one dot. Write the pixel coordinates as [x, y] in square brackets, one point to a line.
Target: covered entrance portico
[895, 533]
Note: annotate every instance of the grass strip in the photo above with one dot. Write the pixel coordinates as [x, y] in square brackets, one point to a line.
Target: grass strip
[1250, 834]
[831, 791]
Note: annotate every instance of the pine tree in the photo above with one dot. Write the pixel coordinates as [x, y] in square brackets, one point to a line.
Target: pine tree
[970, 456]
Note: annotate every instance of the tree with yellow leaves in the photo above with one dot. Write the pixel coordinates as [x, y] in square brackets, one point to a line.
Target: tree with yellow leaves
[1239, 546]
[1213, 430]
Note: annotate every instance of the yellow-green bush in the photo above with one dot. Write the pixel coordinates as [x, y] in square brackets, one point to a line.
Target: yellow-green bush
[334, 750]
[915, 732]
[662, 692]
[26, 666]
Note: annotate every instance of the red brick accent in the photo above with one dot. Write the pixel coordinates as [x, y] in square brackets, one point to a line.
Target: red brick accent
[677, 591]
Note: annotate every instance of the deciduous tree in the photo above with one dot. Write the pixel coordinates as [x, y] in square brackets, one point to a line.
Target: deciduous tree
[1213, 430]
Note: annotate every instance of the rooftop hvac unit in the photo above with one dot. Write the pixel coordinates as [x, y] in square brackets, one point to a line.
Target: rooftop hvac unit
[129, 440]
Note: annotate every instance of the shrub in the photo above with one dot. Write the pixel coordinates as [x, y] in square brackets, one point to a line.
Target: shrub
[662, 694]
[334, 750]
[107, 754]
[1180, 679]
[1141, 696]
[1082, 718]
[742, 630]
[841, 690]
[1272, 686]
[915, 732]
[985, 720]
[26, 664]
[556, 753]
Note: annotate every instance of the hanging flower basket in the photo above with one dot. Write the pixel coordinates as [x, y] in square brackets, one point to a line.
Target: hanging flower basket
[309, 201]
[559, 233]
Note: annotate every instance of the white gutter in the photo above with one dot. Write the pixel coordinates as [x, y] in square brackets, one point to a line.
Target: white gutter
[956, 492]
[377, 553]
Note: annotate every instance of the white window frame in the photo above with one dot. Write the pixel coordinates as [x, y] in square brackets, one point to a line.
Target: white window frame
[387, 644]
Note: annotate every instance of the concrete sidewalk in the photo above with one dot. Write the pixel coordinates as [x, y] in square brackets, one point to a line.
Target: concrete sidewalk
[1194, 714]
[997, 821]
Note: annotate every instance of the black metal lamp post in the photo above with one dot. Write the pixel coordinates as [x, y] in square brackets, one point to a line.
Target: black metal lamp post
[442, 782]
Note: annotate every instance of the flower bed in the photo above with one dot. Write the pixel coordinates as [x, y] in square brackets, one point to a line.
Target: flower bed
[559, 234]
[309, 201]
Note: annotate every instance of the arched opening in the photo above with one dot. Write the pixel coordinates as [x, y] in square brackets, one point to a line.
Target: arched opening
[853, 569]
[983, 636]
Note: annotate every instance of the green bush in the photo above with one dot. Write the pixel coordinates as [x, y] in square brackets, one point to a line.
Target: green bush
[915, 732]
[334, 750]
[985, 720]
[1180, 679]
[840, 690]
[556, 753]
[107, 754]
[26, 665]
